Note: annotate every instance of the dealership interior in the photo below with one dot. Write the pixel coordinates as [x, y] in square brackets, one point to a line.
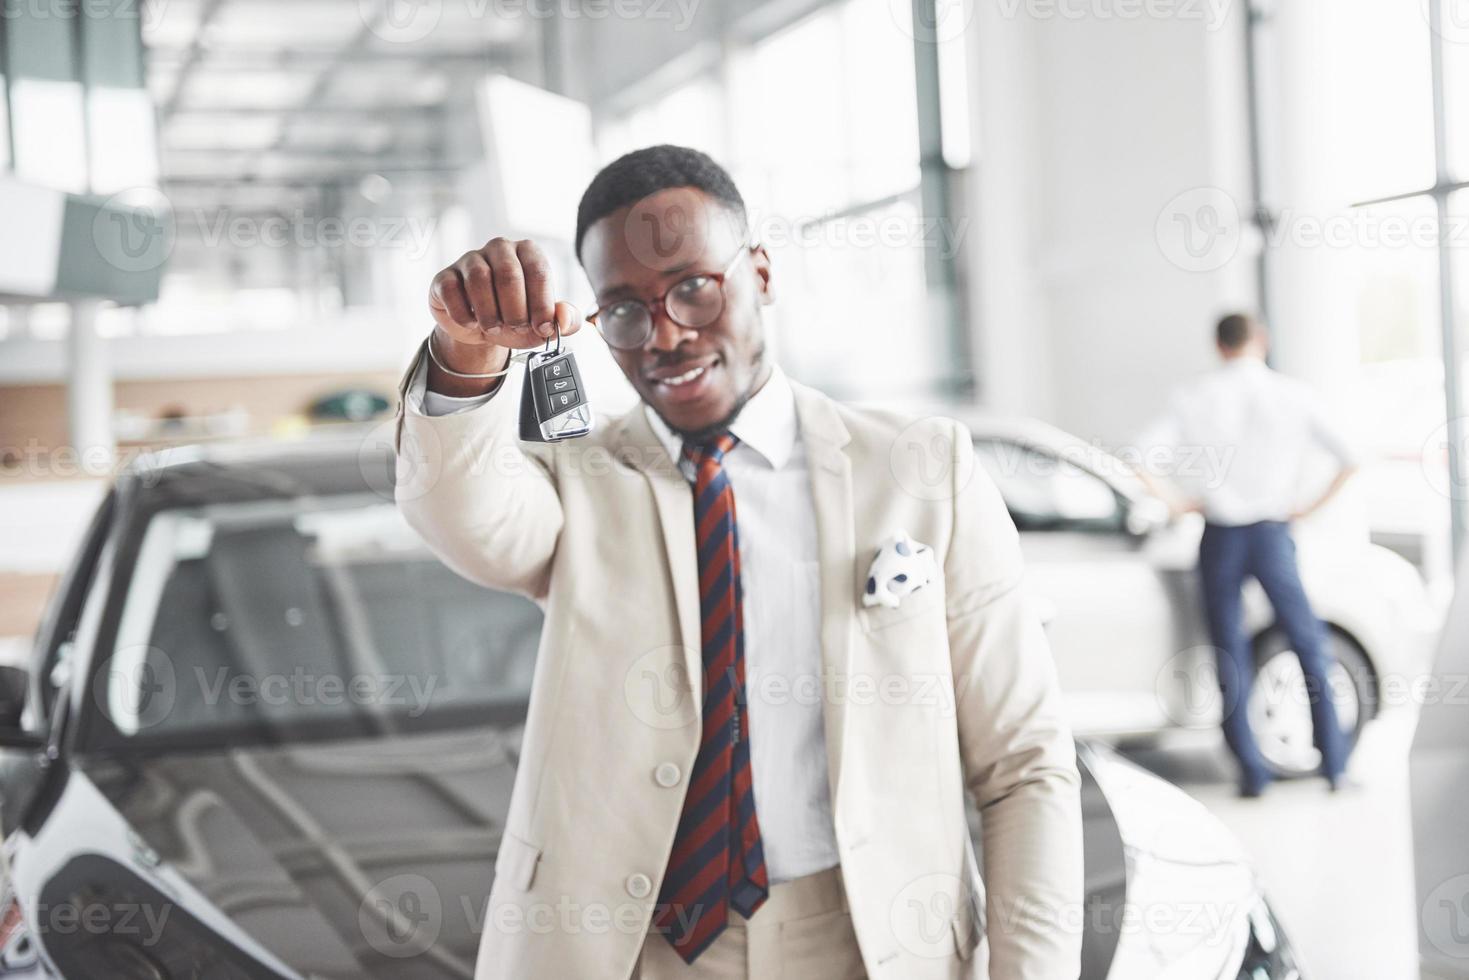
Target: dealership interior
[219, 222]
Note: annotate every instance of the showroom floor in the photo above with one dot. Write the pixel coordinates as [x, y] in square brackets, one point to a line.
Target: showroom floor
[1338, 869]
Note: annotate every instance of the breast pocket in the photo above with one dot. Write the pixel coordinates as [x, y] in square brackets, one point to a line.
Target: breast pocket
[924, 605]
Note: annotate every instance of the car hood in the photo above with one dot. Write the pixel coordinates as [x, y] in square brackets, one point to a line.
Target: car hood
[367, 858]
[1190, 887]
[374, 858]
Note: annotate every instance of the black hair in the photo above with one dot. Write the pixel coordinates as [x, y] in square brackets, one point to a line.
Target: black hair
[633, 176]
[1235, 330]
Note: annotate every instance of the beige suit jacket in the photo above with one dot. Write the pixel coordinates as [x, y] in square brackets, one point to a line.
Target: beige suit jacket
[954, 690]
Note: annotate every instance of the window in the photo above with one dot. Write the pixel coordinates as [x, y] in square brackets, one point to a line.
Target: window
[5, 162]
[1046, 493]
[690, 115]
[829, 161]
[818, 124]
[357, 630]
[1381, 103]
[1377, 272]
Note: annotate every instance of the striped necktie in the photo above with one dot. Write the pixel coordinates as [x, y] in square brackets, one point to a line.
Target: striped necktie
[717, 863]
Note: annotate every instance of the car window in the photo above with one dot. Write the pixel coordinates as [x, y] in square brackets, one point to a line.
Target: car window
[1047, 493]
[284, 618]
[56, 636]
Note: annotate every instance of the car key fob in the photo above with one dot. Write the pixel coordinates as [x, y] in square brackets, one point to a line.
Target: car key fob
[553, 403]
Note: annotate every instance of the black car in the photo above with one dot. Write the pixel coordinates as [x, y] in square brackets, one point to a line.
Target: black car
[266, 734]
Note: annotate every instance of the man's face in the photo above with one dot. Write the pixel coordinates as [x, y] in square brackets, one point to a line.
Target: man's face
[695, 379]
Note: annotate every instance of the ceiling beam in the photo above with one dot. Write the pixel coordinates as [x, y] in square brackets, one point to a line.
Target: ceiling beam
[354, 113]
[193, 56]
[493, 55]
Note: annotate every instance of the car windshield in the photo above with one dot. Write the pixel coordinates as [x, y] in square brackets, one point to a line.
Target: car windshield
[1044, 492]
[283, 619]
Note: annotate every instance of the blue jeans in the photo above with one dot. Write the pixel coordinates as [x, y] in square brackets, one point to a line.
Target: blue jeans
[1227, 555]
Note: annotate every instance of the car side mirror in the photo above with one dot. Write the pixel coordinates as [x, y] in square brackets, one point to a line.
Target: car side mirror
[14, 683]
[24, 757]
[1146, 515]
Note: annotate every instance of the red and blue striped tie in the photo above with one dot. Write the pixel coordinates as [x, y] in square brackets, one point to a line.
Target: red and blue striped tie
[717, 863]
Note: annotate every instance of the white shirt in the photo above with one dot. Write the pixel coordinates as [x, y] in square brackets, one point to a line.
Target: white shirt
[776, 516]
[1237, 437]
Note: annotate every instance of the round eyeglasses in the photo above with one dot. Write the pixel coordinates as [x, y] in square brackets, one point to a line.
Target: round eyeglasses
[694, 303]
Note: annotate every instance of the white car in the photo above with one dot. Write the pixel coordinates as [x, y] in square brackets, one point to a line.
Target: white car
[197, 779]
[1116, 581]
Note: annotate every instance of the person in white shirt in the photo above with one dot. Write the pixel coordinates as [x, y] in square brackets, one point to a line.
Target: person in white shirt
[1257, 427]
[710, 550]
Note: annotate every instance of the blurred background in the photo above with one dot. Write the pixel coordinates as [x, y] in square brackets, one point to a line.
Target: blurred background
[219, 218]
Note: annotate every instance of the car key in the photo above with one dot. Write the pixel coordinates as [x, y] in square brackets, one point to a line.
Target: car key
[553, 403]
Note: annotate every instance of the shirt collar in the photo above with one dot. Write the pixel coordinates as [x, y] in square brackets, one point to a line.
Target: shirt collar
[767, 423]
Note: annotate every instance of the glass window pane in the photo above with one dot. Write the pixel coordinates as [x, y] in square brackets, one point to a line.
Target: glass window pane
[1391, 278]
[880, 101]
[50, 134]
[1458, 240]
[842, 285]
[690, 115]
[1455, 33]
[4, 126]
[122, 121]
[1393, 268]
[828, 159]
[1379, 113]
[355, 600]
[39, 41]
[789, 119]
[954, 99]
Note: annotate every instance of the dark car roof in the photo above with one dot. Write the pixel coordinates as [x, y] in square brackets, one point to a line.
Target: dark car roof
[357, 461]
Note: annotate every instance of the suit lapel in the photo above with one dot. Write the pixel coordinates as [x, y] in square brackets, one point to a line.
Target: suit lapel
[675, 502]
[831, 493]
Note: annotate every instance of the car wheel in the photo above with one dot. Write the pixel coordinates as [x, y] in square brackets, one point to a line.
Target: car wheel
[1280, 714]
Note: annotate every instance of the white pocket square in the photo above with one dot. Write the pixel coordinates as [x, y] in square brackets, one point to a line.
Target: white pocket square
[901, 566]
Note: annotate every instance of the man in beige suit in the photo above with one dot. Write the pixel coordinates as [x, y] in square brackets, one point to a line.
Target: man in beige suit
[734, 765]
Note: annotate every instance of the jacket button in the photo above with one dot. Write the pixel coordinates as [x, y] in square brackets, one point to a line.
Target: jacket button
[638, 886]
[667, 775]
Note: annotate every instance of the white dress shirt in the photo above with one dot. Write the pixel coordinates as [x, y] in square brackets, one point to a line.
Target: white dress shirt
[768, 472]
[1237, 438]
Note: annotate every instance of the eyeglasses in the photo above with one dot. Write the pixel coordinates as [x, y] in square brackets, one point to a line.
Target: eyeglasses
[694, 303]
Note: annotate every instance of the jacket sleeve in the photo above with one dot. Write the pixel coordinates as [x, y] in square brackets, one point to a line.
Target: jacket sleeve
[486, 506]
[1017, 750]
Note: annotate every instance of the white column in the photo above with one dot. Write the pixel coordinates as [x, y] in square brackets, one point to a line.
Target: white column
[89, 391]
[1314, 336]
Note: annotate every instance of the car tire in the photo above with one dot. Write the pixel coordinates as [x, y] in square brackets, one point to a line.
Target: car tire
[1279, 713]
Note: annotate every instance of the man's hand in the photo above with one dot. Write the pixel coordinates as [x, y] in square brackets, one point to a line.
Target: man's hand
[1178, 508]
[1342, 476]
[491, 301]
